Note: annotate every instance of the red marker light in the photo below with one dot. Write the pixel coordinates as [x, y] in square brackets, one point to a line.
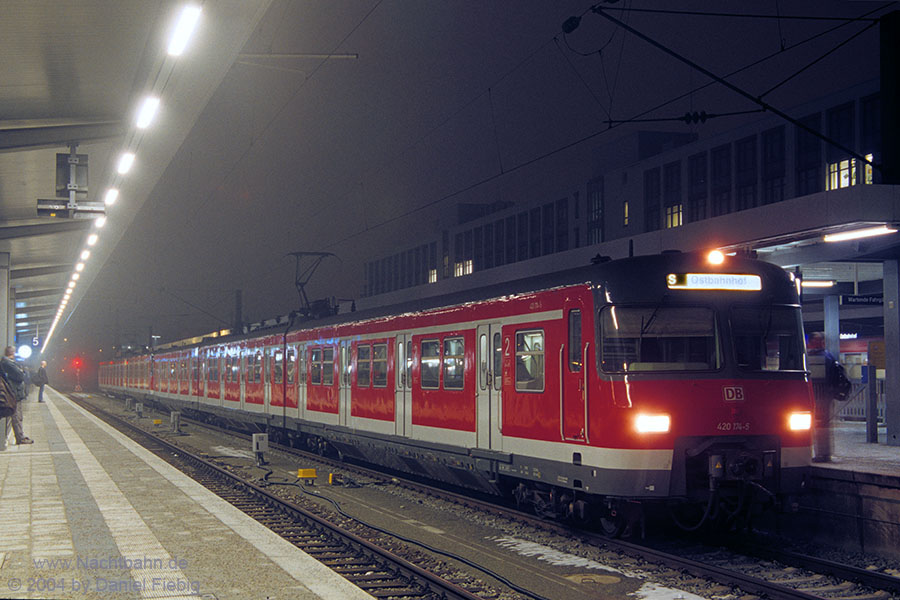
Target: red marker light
[76, 362]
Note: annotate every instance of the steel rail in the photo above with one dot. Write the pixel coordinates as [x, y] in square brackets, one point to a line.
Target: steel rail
[441, 588]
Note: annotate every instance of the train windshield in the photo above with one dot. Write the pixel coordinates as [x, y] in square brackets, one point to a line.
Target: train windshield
[658, 338]
[768, 338]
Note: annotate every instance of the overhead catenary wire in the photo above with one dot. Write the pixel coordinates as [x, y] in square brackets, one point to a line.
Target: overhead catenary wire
[818, 59]
[738, 90]
[843, 23]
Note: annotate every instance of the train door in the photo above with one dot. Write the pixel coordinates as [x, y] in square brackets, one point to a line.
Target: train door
[344, 384]
[573, 371]
[296, 374]
[268, 353]
[490, 375]
[403, 386]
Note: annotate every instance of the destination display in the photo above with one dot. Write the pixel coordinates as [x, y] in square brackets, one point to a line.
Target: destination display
[714, 281]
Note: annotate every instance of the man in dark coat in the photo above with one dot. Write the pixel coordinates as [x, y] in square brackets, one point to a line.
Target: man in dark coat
[16, 378]
[40, 379]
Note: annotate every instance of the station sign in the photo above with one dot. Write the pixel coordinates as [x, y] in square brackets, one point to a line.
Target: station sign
[863, 300]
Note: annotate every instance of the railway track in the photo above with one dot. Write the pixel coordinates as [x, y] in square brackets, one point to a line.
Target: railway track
[377, 571]
[775, 573]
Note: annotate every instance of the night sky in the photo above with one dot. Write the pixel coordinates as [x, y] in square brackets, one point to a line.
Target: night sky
[447, 102]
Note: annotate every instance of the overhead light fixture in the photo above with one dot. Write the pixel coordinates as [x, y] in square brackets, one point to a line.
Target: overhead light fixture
[92, 239]
[79, 267]
[183, 29]
[76, 276]
[71, 285]
[99, 222]
[85, 254]
[820, 283]
[111, 195]
[859, 233]
[125, 162]
[147, 112]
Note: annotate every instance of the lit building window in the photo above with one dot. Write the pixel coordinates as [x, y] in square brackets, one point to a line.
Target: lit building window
[457, 269]
[467, 267]
[673, 216]
[432, 275]
[842, 174]
[625, 212]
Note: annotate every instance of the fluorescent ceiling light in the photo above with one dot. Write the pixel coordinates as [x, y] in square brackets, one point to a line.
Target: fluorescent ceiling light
[111, 195]
[92, 239]
[183, 29]
[125, 162]
[147, 112]
[99, 222]
[71, 285]
[21, 315]
[859, 233]
[76, 276]
[86, 254]
[817, 284]
[79, 267]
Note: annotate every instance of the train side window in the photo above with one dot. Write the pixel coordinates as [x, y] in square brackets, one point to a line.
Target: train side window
[267, 366]
[401, 370]
[530, 361]
[575, 351]
[482, 361]
[228, 361]
[328, 366]
[498, 360]
[278, 367]
[454, 358]
[289, 367]
[409, 360]
[379, 365]
[363, 365]
[315, 363]
[430, 366]
[257, 367]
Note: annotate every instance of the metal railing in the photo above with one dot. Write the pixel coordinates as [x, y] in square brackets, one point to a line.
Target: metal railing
[854, 409]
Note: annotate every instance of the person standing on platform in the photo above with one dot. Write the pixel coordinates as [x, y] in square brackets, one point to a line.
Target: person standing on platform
[15, 376]
[830, 383]
[41, 379]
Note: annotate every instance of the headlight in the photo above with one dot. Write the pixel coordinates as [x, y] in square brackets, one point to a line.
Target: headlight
[800, 421]
[652, 423]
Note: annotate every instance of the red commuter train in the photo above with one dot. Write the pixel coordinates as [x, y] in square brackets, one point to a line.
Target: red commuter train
[656, 379]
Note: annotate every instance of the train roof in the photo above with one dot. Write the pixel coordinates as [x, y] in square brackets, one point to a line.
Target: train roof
[635, 279]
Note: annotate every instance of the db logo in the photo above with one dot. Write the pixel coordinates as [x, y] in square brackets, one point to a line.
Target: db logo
[733, 393]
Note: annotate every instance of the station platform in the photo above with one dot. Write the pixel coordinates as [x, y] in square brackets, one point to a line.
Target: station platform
[853, 453]
[86, 513]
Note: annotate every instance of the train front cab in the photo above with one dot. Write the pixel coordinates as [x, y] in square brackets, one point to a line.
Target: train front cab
[708, 362]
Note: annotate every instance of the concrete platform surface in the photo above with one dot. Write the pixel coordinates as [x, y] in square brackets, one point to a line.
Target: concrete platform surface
[86, 513]
[853, 453]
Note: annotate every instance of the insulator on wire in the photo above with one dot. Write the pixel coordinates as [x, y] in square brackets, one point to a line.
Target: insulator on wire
[695, 117]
